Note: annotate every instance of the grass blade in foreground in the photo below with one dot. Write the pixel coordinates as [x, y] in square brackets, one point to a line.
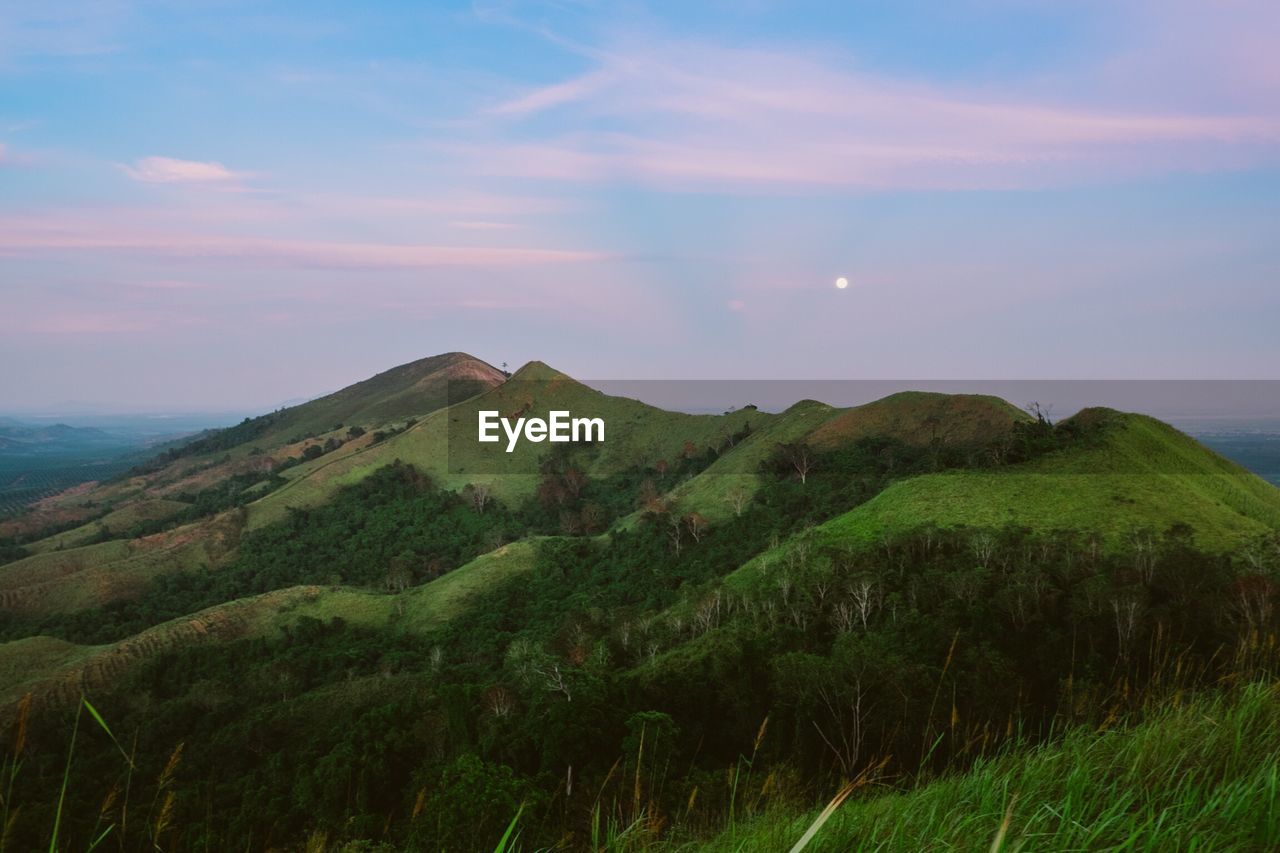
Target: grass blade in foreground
[506, 844]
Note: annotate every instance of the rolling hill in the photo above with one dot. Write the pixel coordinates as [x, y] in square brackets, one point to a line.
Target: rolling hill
[264, 443]
[443, 444]
[359, 588]
[1138, 475]
[55, 671]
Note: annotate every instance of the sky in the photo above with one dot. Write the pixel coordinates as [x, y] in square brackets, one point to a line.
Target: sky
[216, 205]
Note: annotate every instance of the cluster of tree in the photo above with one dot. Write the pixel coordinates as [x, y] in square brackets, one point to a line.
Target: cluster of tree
[570, 503]
[383, 434]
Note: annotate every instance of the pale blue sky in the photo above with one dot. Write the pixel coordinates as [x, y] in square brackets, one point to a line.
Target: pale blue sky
[226, 204]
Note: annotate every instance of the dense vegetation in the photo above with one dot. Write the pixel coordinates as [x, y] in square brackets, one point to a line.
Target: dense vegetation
[634, 685]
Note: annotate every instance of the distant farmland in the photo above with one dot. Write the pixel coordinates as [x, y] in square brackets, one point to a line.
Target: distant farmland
[25, 480]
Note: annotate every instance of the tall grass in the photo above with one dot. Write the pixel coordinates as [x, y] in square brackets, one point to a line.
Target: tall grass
[13, 764]
[1204, 774]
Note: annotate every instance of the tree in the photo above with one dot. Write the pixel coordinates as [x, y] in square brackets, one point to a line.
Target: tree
[738, 497]
[697, 525]
[797, 458]
[649, 499]
[574, 481]
[399, 575]
[536, 668]
[592, 518]
[478, 495]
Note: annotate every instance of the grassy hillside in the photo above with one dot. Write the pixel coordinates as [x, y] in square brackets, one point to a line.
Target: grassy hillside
[1135, 474]
[116, 521]
[55, 670]
[718, 491]
[1197, 776]
[443, 444]
[915, 418]
[89, 576]
[922, 417]
[387, 399]
[409, 390]
[1143, 474]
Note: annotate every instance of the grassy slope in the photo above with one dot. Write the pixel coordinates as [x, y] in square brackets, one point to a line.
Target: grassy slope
[636, 432]
[77, 504]
[1199, 776]
[410, 390]
[1142, 473]
[913, 417]
[53, 669]
[117, 521]
[30, 664]
[921, 417]
[708, 493]
[79, 578]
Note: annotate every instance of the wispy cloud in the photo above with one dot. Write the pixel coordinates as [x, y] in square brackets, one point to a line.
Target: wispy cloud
[483, 225]
[696, 114]
[169, 170]
[546, 97]
[74, 28]
[29, 236]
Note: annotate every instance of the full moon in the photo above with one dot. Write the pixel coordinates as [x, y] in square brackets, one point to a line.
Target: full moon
[842, 282]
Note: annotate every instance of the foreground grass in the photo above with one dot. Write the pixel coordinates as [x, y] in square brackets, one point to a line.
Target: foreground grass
[1200, 776]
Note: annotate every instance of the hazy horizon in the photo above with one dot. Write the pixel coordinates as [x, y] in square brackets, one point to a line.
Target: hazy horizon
[1192, 405]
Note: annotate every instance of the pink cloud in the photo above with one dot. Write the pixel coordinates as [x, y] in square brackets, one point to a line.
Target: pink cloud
[696, 115]
[483, 225]
[168, 170]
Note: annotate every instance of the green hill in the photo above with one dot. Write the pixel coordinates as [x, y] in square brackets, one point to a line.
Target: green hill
[443, 444]
[922, 417]
[410, 390]
[54, 671]
[1135, 474]
[915, 418]
[259, 445]
[1142, 474]
[64, 581]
